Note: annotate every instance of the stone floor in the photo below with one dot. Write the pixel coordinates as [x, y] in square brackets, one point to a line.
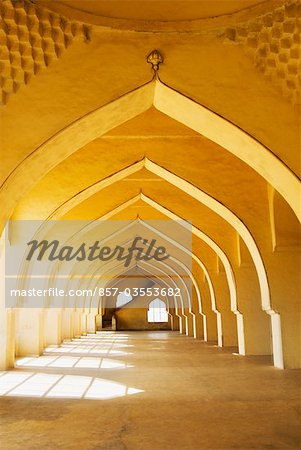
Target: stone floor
[147, 390]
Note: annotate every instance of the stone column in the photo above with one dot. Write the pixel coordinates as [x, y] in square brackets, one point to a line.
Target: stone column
[53, 326]
[29, 331]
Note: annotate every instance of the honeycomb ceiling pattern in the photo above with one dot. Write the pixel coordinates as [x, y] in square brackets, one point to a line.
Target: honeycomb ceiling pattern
[273, 41]
[30, 39]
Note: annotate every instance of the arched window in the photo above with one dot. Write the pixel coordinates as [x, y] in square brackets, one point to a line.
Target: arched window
[123, 299]
[157, 311]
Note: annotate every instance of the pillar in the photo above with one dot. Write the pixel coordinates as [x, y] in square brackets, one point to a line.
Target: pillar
[53, 326]
[29, 331]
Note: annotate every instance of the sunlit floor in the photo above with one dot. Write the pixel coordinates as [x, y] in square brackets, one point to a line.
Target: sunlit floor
[147, 390]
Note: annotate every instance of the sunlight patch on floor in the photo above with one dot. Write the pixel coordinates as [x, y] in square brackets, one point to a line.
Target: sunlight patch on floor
[29, 384]
[34, 381]
[70, 361]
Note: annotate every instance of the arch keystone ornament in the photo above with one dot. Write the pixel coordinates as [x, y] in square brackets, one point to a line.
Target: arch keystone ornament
[155, 59]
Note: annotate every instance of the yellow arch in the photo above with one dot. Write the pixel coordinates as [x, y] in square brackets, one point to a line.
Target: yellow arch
[130, 105]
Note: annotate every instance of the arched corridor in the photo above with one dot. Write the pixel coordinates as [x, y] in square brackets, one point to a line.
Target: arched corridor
[150, 206]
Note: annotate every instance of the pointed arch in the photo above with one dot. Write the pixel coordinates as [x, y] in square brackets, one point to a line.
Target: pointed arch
[170, 102]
